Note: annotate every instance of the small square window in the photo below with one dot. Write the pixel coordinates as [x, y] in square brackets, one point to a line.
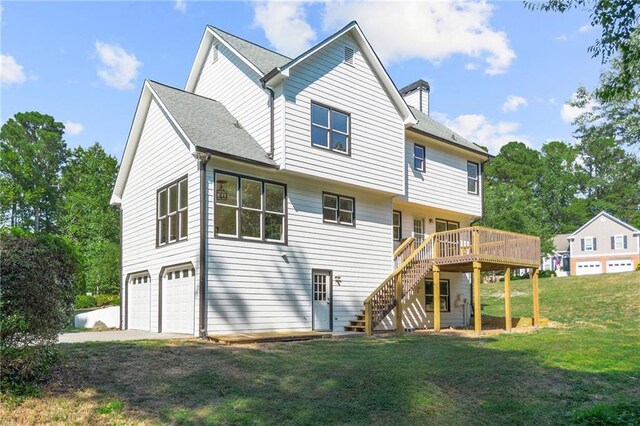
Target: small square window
[338, 209]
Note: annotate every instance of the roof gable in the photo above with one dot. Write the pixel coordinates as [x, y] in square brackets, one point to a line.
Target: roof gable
[260, 59]
[205, 124]
[608, 216]
[376, 65]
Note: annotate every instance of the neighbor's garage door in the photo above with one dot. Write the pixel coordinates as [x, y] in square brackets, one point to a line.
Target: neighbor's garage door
[620, 265]
[178, 301]
[588, 268]
[139, 302]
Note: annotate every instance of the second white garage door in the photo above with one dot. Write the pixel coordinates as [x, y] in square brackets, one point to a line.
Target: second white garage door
[620, 265]
[178, 301]
[588, 268]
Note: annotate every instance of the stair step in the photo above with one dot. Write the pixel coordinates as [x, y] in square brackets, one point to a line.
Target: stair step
[354, 328]
[356, 322]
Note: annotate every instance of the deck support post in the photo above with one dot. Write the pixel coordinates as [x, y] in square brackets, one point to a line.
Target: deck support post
[536, 300]
[436, 298]
[477, 308]
[368, 329]
[399, 327]
[507, 299]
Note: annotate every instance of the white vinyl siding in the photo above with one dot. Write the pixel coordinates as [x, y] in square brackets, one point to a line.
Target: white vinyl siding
[149, 171]
[377, 132]
[443, 184]
[230, 81]
[255, 286]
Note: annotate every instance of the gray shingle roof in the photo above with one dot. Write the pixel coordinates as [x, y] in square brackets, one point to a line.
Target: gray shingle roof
[428, 125]
[210, 126]
[264, 59]
[561, 243]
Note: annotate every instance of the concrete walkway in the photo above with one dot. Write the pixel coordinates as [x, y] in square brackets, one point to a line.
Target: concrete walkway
[114, 336]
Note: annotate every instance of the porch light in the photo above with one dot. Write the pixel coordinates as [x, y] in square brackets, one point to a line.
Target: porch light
[221, 194]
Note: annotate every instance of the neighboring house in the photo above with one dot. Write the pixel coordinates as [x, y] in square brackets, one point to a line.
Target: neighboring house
[558, 260]
[270, 193]
[605, 244]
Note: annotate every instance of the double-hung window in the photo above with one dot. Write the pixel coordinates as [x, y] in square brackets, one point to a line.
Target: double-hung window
[589, 244]
[473, 177]
[249, 208]
[444, 296]
[397, 225]
[338, 209]
[619, 242]
[418, 230]
[330, 129]
[172, 213]
[418, 157]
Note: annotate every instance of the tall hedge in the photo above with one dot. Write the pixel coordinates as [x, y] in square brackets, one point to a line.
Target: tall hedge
[36, 303]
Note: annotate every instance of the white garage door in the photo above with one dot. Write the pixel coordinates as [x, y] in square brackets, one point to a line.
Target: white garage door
[620, 265]
[178, 301]
[139, 302]
[588, 268]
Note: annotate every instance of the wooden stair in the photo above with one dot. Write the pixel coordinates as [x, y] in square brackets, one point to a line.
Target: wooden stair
[357, 324]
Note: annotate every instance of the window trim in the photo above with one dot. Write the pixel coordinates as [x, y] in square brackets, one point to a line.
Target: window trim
[591, 241]
[615, 242]
[238, 208]
[399, 225]
[423, 234]
[477, 179]
[166, 188]
[448, 295]
[423, 158]
[338, 222]
[348, 134]
[447, 222]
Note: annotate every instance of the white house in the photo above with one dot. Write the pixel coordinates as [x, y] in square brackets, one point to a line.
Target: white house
[271, 192]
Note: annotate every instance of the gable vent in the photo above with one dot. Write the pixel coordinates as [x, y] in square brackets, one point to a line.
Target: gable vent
[348, 55]
[216, 51]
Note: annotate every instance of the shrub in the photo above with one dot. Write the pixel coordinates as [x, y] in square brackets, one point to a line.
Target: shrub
[107, 300]
[84, 302]
[36, 304]
[546, 274]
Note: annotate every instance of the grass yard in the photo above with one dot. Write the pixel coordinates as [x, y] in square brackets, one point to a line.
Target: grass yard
[585, 371]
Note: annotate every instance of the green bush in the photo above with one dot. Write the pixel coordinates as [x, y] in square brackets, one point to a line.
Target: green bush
[84, 302]
[36, 304]
[547, 274]
[108, 300]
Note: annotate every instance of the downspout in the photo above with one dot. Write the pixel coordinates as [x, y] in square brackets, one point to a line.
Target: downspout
[272, 134]
[203, 159]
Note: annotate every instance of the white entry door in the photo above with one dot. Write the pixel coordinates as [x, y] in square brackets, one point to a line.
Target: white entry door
[321, 289]
[139, 302]
[588, 268]
[620, 265]
[178, 301]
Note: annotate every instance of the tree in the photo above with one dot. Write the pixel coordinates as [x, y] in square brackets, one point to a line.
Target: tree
[87, 218]
[619, 22]
[32, 153]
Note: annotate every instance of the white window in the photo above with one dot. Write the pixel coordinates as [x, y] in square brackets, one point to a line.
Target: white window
[444, 295]
[473, 177]
[418, 230]
[397, 225]
[589, 244]
[330, 129]
[172, 209]
[418, 157]
[338, 209]
[249, 208]
[619, 242]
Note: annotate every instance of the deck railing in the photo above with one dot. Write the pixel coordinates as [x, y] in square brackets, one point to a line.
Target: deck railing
[403, 251]
[465, 245]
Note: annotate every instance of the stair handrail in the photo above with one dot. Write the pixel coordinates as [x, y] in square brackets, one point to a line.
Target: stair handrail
[402, 248]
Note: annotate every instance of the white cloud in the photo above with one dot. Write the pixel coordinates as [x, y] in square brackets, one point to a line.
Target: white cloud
[513, 102]
[478, 128]
[585, 28]
[562, 37]
[471, 66]
[10, 71]
[570, 113]
[180, 5]
[73, 128]
[433, 31]
[119, 68]
[285, 26]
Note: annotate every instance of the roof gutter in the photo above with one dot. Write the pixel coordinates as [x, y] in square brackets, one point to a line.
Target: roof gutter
[203, 159]
[440, 139]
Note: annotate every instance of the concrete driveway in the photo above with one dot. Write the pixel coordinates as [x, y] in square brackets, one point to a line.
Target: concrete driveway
[117, 335]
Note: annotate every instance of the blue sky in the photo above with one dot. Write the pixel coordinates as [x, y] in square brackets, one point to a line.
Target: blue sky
[498, 71]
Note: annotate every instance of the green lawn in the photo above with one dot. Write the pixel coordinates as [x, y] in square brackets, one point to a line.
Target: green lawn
[587, 370]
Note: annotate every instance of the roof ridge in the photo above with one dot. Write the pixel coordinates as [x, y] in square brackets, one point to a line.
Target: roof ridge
[183, 91]
[248, 41]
